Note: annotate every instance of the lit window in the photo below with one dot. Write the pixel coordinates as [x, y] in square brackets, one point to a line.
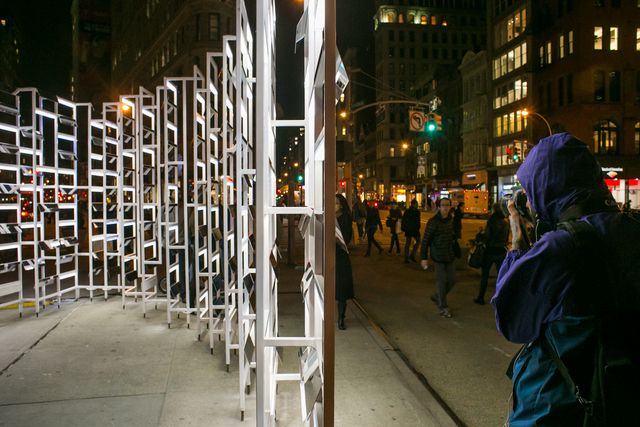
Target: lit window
[411, 18]
[613, 38]
[597, 38]
[638, 38]
[570, 37]
[423, 20]
[548, 52]
[561, 46]
[342, 97]
[605, 136]
[3, 22]
[392, 152]
[434, 20]
[344, 131]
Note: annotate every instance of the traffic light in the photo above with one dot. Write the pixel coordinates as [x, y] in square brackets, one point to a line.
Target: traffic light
[438, 121]
[343, 184]
[515, 156]
[299, 178]
[430, 123]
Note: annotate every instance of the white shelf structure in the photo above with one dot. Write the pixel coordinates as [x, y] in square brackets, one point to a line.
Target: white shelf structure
[49, 174]
[245, 205]
[10, 205]
[103, 201]
[204, 206]
[317, 195]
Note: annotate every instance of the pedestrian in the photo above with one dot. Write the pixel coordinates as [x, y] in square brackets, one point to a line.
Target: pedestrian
[429, 203]
[495, 239]
[627, 206]
[344, 275]
[395, 214]
[359, 216]
[411, 228]
[371, 225]
[576, 286]
[438, 238]
[457, 219]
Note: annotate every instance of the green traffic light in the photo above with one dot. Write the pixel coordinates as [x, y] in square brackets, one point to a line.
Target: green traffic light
[299, 178]
[431, 126]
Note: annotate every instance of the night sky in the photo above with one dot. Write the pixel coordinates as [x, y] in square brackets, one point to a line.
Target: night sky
[45, 57]
[354, 29]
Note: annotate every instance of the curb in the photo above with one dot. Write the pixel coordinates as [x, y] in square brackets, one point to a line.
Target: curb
[441, 413]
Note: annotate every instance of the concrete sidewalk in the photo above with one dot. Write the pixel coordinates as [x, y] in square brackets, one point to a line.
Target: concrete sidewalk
[94, 364]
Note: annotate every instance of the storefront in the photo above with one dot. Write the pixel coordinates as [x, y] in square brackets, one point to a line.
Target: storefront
[624, 184]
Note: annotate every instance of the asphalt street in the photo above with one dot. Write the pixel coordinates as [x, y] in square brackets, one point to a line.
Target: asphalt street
[463, 359]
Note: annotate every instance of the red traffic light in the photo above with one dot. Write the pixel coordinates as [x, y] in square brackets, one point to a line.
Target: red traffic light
[343, 183]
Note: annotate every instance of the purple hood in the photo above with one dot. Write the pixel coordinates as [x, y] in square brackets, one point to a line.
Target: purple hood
[559, 172]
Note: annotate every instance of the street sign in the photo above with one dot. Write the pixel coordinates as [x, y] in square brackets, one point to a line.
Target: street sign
[416, 121]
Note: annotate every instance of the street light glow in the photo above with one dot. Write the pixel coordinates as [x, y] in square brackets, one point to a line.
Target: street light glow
[343, 114]
[296, 164]
[405, 146]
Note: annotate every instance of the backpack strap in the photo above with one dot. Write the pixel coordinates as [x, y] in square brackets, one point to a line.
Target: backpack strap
[587, 405]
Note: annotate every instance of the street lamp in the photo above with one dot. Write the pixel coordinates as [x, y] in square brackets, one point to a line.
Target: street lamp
[343, 114]
[405, 146]
[525, 113]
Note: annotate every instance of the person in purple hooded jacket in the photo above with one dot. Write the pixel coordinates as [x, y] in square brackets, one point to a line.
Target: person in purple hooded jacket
[555, 293]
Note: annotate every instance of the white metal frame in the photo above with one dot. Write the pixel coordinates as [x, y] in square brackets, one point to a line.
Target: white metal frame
[10, 204]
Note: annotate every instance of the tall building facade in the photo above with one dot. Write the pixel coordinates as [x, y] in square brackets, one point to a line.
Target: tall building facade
[573, 66]
[153, 39]
[412, 39]
[91, 51]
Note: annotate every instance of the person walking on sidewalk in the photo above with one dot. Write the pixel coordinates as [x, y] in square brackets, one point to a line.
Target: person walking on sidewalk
[359, 216]
[495, 239]
[392, 221]
[439, 236]
[371, 225]
[411, 228]
[344, 274]
[457, 219]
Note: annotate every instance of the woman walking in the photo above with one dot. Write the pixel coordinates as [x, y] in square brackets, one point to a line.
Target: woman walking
[344, 275]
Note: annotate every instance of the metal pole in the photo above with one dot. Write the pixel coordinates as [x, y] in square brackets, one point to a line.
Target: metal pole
[329, 209]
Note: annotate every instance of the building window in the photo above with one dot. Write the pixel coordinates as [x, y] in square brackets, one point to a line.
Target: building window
[549, 51]
[561, 46]
[638, 39]
[344, 131]
[434, 20]
[561, 91]
[391, 35]
[636, 138]
[614, 86]
[597, 38]
[392, 151]
[423, 20]
[613, 38]
[605, 137]
[570, 89]
[570, 47]
[214, 26]
[598, 86]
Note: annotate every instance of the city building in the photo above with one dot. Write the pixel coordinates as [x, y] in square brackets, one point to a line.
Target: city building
[91, 51]
[413, 38]
[10, 44]
[152, 39]
[476, 103]
[567, 65]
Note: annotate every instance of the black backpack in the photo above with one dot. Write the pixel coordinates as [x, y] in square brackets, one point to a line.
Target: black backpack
[614, 395]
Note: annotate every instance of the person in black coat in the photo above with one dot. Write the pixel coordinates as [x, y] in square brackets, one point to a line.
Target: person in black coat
[495, 239]
[371, 225]
[395, 214]
[344, 275]
[411, 227]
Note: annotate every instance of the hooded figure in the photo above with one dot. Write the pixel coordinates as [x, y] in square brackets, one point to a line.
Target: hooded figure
[554, 290]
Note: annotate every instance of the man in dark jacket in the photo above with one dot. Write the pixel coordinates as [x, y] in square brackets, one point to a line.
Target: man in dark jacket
[371, 225]
[552, 294]
[439, 235]
[495, 240]
[411, 227]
